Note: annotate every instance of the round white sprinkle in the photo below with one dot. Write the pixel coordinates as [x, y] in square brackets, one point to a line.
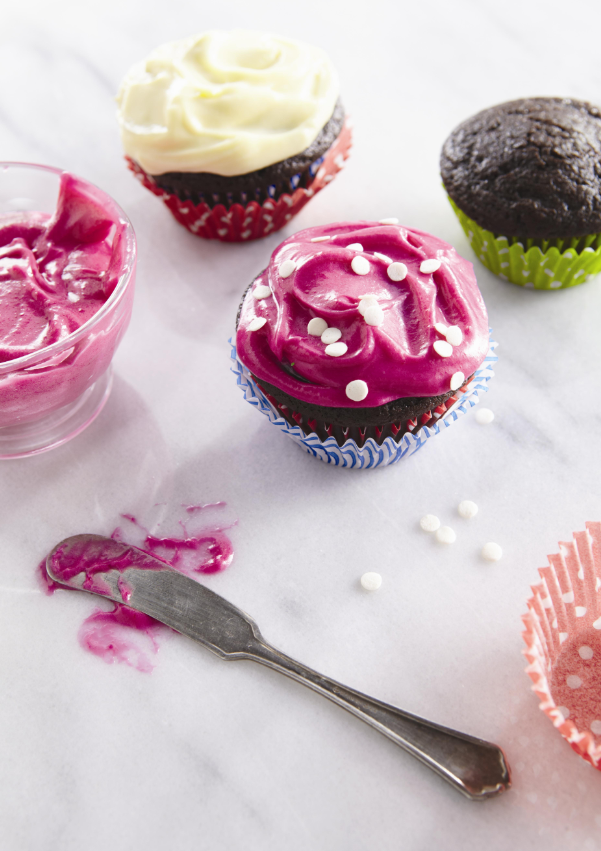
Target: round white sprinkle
[331, 335]
[442, 348]
[441, 328]
[371, 581]
[492, 552]
[454, 335]
[357, 390]
[287, 268]
[484, 416]
[256, 323]
[596, 728]
[429, 523]
[382, 257]
[457, 379]
[467, 509]
[367, 301]
[564, 711]
[445, 535]
[360, 265]
[427, 266]
[320, 238]
[374, 315]
[391, 221]
[355, 246]
[335, 350]
[316, 326]
[585, 652]
[573, 681]
[261, 292]
[397, 271]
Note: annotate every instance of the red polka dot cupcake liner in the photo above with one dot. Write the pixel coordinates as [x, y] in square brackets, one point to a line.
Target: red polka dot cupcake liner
[241, 223]
[563, 641]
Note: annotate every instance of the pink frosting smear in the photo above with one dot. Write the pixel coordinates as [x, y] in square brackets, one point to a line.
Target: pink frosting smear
[312, 275]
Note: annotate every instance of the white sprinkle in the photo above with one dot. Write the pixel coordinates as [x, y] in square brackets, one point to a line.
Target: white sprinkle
[360, 265]
[457, 379]
[382, 257]
[445, 535]
[484, 416]
[454, 335]
[256, 323]
[261, 292]
[580, 611]
[596, 728]
[441, 328]
[320, 238]
[442, 348]
[367, 301]
[492, 552]
[374, 315]
[573, 681]
[316, 326]
[331, 335]
[357, 390]
[73, 297]
[287, 268]
[390, 221]
[429, 523]
[467, 509]
[397, 271]
[564, 711]
[335, 350]
[355, 246]
[371, 581]
[427, 266]
[555, 285]
[585, 652]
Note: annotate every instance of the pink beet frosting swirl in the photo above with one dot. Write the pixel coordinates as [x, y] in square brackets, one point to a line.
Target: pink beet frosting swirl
[314, 274]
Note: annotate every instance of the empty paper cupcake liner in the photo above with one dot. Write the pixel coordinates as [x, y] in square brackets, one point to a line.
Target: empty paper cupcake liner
[371, 454]
[240, 223]
[563, 641]
[548, 265]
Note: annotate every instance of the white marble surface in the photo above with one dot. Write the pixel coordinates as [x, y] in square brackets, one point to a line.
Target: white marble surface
[205, 755]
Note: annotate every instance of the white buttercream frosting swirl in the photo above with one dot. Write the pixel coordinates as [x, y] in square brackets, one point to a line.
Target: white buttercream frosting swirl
[225, 102]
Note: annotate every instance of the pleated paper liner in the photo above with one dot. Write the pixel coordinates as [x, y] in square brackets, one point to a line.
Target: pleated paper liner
[241, 223]
[548, 265]
[371, 453]
[563, 641]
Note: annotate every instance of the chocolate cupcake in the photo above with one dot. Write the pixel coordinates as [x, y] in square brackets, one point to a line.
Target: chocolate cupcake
[362, 333]
[235, 131]
[524, 178]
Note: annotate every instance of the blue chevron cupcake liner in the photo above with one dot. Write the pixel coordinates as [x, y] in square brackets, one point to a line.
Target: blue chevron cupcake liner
[370, 455]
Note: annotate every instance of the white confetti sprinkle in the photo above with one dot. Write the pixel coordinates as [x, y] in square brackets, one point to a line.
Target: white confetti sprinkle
[336, 350]
[441, 328]
[457, 379]
[454, 335]
[261, 292]
[397, 271]
[467, 509]
[492, 552]
[331, 335]
[367, 301]
[320, 238]
[316, 326]
[573, 681]
[585, 652]
[391, 221]
[442, 348]
[371, 581]
[355, 246]
[360, 265]
[428, 266]
[256, 323]
[596, 728]
[429, 523]
[287, 268]
[445, 535]
[484, 416]
[357, 390]
[374, 315]
[382, 257]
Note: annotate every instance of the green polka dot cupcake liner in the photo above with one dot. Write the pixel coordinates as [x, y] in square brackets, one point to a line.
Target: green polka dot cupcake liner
[554, 264]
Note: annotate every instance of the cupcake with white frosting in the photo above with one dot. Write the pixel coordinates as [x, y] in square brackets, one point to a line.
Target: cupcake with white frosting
[236, 131]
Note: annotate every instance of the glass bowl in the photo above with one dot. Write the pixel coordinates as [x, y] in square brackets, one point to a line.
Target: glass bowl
[49, 396]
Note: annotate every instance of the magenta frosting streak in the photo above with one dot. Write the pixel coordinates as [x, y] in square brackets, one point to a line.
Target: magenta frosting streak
[121, 635]
[396, 359]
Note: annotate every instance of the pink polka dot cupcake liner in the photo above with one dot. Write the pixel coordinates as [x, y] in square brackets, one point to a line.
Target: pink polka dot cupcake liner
[563, 641]
[241, 223]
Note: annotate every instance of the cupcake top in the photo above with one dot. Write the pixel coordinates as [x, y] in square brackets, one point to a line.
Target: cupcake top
[226, 103]
[359, 314]
[529, 168]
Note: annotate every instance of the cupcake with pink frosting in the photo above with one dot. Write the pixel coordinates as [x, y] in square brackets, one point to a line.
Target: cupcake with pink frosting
[360, 337]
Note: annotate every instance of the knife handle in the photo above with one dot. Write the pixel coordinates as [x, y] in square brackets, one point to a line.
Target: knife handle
[475, 767]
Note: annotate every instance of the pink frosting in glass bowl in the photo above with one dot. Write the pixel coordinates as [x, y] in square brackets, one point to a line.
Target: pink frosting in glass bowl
[359, 314]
